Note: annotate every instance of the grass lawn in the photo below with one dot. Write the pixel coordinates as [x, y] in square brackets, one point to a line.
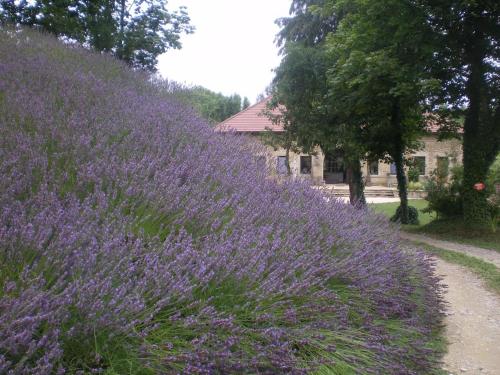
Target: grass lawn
[444, 229]
[485, 270]
[388, 209]
[457, 231]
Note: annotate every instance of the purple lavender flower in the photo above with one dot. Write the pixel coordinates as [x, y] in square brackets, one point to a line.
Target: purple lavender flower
[128, 225]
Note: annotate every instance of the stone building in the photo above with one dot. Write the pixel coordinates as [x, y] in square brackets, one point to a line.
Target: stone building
[329, 168]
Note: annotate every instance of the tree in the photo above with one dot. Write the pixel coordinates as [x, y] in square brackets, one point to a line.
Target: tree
[310, 119]
[136, 32]
[285, 140]
[215, 107]
[301, 86]
[376, 55]
[246, 103]
[378, 76]
[467, 55]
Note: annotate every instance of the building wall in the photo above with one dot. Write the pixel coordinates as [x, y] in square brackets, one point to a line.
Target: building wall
[431, 151]
[316, 175]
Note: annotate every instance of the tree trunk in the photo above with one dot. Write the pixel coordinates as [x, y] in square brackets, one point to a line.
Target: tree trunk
[121, 33]
[356, 185]
[398, 157]
[402, 187]
[287, 161]
[476, 153]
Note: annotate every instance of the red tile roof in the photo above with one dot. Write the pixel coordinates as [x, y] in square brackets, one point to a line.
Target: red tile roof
[251, 119]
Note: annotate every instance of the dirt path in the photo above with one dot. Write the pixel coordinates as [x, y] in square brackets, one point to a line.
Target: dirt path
[472, 323]
[491, 256]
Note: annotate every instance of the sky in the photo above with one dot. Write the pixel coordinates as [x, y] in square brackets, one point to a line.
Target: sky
[232, 49]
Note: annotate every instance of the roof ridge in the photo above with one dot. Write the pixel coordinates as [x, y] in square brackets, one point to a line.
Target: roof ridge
[245, 110]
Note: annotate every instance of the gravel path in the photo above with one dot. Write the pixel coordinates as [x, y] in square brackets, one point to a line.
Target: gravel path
[472, 323]
[490, 256]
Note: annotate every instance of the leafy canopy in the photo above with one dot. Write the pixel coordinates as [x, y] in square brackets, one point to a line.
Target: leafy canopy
[136, 32]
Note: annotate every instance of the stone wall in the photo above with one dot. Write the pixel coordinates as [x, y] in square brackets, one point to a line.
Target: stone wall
[432, 149]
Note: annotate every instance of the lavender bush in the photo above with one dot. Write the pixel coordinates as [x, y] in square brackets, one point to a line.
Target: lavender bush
[134, 239]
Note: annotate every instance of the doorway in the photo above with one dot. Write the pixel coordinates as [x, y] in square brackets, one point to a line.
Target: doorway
[333, 168]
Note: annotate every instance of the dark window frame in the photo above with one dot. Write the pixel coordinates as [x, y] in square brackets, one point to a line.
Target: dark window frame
[420, 166]
[308, 165]
[370, 165]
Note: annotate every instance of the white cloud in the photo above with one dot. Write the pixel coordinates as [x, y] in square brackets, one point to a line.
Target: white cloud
[232, 49]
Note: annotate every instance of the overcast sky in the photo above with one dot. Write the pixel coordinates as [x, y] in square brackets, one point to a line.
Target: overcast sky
[232, 49]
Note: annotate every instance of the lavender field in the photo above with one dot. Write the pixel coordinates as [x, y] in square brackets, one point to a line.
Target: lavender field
[135, 240]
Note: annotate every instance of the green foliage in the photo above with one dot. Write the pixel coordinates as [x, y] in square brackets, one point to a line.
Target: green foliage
[375, 80]
[349, 81]
[493, 190]
[456, 230]
[214, 107]
[388, 209]
[415, 186]
[136, 32]
[413, 174]
[444, 192]
[493, 176]
[301, 85]
[246, 103]
[412, 215]
[466, 57]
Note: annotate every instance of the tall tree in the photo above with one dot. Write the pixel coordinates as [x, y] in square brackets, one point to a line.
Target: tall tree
[310, 118]
[378, 77]
[215, 107]
[467, 61]
[246, 103]
[136, 31]
[301, 86]
[374, 64]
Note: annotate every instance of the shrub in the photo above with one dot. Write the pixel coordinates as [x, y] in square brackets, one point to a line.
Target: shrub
[493, 189]
[415, 186]
[494, 175]
[412, 215]
[444, 196]
[135, 239]
[413, 174]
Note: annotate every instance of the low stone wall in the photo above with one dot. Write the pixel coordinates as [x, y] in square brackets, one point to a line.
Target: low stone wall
[421, 194]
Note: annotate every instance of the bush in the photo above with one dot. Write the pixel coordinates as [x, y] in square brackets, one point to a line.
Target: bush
[415, 186]
[493, 190]
[413, 174]
[135, 239]
[494, 175]
[444, 196]
[412, 215]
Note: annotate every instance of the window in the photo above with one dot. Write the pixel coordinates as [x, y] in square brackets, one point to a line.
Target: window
[393, 168]
[281, 166]
[373, 166]
[443, 165]
[334, 164]
[305, 164]
[419, 163]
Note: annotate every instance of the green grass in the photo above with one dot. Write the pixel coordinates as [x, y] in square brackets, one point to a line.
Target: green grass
[453, 229]
[457, 231]
[388, 209]
[485, 270]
